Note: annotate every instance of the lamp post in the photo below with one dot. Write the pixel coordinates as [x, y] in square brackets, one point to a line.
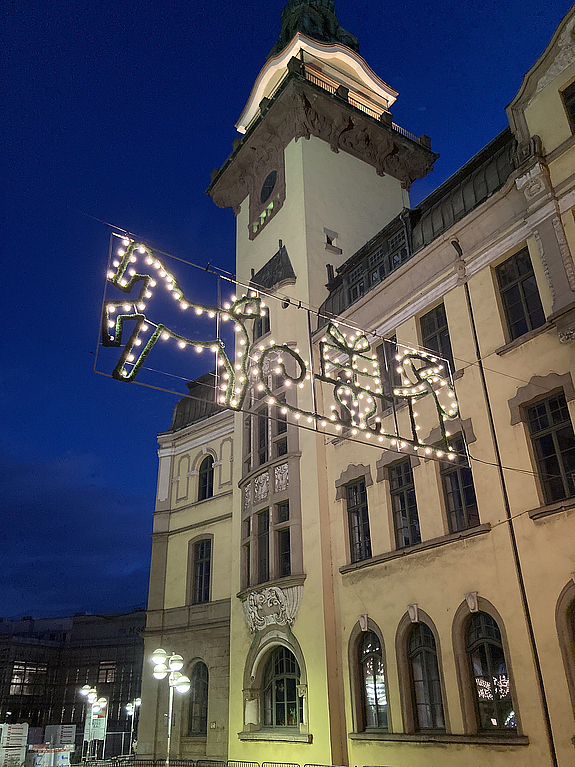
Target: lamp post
[165, 664]
[131, 708]
[91, 696]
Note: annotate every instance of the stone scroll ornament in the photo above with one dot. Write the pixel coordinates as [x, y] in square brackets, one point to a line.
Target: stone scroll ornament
[272, 606]
[347, 362]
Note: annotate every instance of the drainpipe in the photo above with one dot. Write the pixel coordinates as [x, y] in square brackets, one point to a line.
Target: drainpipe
[514, 547]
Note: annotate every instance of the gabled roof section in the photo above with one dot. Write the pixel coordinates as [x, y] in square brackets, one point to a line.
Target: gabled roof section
[278, 270]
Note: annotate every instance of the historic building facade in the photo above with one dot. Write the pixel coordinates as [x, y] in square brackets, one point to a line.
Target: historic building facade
[340, 603]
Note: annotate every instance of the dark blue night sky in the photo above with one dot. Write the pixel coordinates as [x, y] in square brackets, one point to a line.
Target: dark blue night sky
[117, 112]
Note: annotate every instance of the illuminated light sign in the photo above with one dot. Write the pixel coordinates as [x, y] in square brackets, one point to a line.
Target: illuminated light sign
[347, 364]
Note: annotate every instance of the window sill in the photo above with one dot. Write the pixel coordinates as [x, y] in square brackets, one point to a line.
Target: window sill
[290, 737]
[523, 339]
[552, 508]
[424, 546]
[196, 739]
[511, 739]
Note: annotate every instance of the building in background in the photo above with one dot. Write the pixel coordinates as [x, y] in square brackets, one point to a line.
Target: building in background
[340, 603]
[45, 662]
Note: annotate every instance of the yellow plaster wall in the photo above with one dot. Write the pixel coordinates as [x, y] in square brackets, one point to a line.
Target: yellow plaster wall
[546, 116]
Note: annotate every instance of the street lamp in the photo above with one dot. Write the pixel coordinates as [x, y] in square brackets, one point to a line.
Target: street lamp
[88, 692]
[165, 664]
[131, 708]
[96, 705]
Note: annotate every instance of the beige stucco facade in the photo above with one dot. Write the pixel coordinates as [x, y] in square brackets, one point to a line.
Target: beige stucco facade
[284, 571]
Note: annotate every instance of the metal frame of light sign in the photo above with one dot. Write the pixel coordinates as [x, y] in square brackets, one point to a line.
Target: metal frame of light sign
[346, 361]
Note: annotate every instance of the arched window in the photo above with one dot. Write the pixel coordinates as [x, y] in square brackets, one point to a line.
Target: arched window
[372, 675]
[424, 677]
[206, 485]
[281, 705]
[490, 679]
[199, 700]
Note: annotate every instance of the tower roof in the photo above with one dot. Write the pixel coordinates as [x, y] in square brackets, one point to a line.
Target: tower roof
[315, 19]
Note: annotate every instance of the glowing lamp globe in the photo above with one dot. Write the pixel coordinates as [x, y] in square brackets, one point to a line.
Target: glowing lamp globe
[102, 702]
[92, 697]
[160, 671]
[183, 684]
[85, 690]
[176, 663]
[159, 656]
[138, 702]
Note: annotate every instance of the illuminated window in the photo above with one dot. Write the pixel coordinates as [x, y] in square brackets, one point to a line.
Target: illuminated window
[424, 678]
[490, 679]
[202, 569]
[554, 446]
[372, 674]
[435, 333]
[404, 505]
[568, 95]
[199, 700]
[206, 483]
[358, 520]
[519, 294]
[281, 705]
[459, 490]
[28, 678]
[107, 671]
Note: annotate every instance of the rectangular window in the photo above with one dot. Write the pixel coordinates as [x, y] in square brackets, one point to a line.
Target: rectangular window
[281, 447]
[358, 520]
[261, 326]
[263, 546]
[262, 418]
[202, 567]
[28, 678]
[519, 294]
[282, 512]
[281, 420]
[284, 554]
[247, 563]
[459, 491]
[107, 671]
[404, 505]
[390, 378]
[568, 96]
[435, 333]
[554, 446]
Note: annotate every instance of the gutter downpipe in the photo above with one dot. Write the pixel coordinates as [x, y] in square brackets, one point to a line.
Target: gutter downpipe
[514, 547]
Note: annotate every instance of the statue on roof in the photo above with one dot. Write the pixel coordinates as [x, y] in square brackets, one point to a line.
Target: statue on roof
[315, 19]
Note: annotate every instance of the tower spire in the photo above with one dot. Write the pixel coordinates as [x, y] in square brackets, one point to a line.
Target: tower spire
[316, 19]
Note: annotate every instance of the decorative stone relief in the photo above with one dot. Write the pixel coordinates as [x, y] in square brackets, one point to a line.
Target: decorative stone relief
[281, 477]
[247, 496]
[544, 263]
[531, 182]
[261, 487]
[363, 619]
[413, 612]
[563, 58]
[294, 116]
[564, 250]
[272, 606]
[472, 603]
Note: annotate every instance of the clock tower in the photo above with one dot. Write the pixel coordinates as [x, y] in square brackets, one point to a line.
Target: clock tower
[318, 169]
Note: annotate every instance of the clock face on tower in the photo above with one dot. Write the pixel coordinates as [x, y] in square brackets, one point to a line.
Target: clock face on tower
[268, 186]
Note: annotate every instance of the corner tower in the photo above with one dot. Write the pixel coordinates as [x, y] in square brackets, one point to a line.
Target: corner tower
[318, 169]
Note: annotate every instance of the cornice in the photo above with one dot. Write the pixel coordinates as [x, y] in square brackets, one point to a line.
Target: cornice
[301, 110]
